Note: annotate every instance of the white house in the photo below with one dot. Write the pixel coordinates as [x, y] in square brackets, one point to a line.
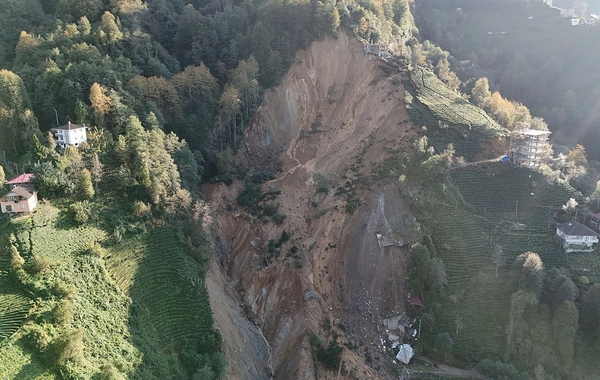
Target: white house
[575, 237]
[70, 134]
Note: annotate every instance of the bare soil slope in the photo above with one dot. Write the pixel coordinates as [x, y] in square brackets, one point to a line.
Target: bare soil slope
[337, 114]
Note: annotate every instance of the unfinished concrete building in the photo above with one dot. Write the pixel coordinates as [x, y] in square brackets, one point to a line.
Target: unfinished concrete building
[528, 147]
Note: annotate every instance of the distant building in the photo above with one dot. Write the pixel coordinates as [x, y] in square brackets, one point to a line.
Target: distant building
[380, 50]
[528, 147]
[594, 221]
[575, 21]
[575, 237]
[70, 134]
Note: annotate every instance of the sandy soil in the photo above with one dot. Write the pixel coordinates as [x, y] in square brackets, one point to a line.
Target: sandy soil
[336, 114]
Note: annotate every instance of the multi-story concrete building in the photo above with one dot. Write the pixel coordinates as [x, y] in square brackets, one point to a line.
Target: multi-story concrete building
[529, 147]
[70, 134]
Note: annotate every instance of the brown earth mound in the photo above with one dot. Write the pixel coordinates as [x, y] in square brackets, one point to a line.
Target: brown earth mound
[337, 114]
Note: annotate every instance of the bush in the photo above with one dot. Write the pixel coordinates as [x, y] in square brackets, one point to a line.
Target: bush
[16, 261]
[140, 209]
[82, 211]
[278, 218]
[321, 182]
[330, 356]
[64, 290]
[64, 312]
[96, 249]
[39, 265]
[499, 370]
[67, 350]
[36, 337]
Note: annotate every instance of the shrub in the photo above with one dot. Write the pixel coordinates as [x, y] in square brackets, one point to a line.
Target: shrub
[82, 211]
[36, 336]
[331, 356]
[39, 265]
[16, 261]
[278, 218]
[64, 312]
[499, 370]
[67, 350]
[64, 290]
[321, 182]
[140, 209]
[96, 249]
[109, 372]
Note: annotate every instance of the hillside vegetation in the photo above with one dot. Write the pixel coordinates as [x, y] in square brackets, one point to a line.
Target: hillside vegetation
[543, 62]
[93, 316]
[448, 117]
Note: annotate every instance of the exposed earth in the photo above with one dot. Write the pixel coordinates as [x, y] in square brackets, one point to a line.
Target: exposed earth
[336, 113]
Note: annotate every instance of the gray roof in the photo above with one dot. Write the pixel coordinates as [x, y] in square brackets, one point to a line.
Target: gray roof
[531, 132]
[70, 126]
[573, 228]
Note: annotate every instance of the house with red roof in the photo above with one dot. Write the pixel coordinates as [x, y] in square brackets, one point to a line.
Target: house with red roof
[22, 196]
[576, 237]
[25, 179]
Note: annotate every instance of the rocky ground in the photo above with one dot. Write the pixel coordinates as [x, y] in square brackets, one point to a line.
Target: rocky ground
[336, 114]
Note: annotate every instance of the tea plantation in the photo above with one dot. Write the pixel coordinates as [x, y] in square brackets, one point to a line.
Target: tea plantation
[136, 308]
[465, 237]
[448, 117]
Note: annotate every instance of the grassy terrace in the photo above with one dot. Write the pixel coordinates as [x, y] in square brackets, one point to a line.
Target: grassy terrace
[510, 195]
[465, 236]
[138, 305]
[448, 117]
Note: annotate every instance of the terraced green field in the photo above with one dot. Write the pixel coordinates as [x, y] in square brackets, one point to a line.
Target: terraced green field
[166, 290]
[14, 305]
[138, 305]
[448, 117]
[465, 236]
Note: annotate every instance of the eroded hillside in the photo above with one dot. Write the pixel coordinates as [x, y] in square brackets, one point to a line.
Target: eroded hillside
[335, 116]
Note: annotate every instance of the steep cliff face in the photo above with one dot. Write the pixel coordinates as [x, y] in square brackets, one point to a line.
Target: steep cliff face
[336, 114]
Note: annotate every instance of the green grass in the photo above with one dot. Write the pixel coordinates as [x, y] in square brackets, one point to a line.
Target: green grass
[139, 305]
[16, 363]
[481, 315]
[448, 117]
[585, 264]
[170, 302]
[510, 195]
[465, 234]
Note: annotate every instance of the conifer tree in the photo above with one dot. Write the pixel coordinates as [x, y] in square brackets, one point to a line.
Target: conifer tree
[86, 188]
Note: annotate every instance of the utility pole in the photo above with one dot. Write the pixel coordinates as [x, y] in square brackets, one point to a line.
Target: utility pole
[516, 211]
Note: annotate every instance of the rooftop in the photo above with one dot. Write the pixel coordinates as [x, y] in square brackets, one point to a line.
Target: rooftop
[69, 126]
[23, 178]
[21, 191]
[574, 228]
[532, 132]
